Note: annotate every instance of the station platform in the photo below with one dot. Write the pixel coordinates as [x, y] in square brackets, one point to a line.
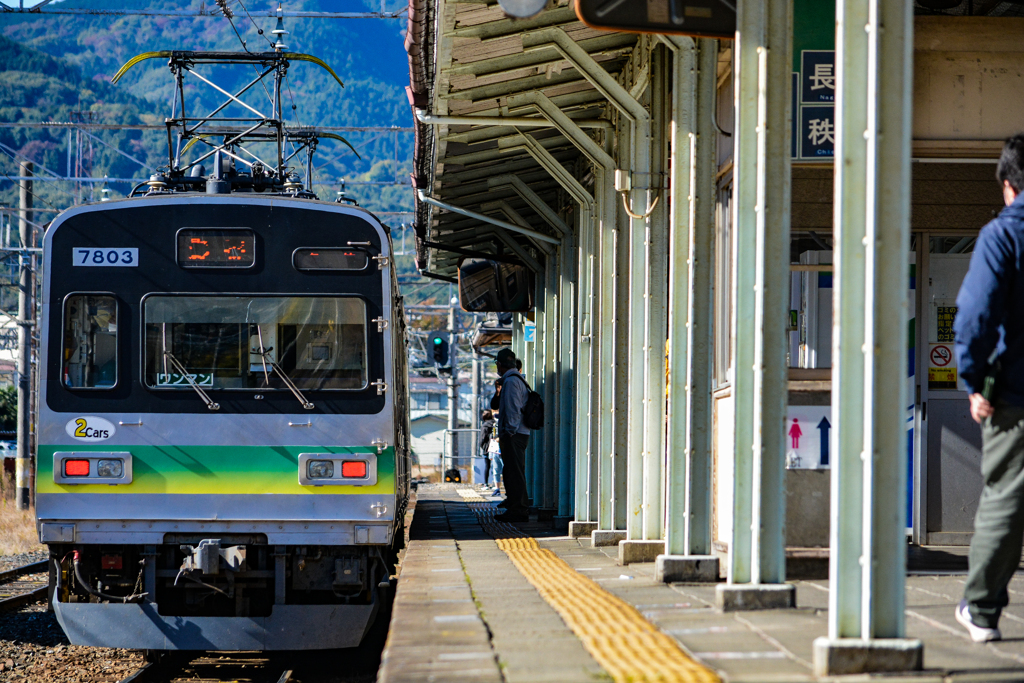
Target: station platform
[480, 601]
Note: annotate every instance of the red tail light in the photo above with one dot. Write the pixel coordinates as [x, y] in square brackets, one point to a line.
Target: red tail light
[76, 468]
[353, 469]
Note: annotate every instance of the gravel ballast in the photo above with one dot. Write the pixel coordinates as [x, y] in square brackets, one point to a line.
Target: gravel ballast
[34, 648]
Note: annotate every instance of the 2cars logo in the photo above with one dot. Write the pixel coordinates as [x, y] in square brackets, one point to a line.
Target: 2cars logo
[90, 428]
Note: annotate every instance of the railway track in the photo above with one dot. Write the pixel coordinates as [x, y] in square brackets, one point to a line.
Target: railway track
[214, 667]
[23, 586]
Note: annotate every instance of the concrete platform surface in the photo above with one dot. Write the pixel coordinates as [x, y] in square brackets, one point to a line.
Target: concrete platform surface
[464, 612]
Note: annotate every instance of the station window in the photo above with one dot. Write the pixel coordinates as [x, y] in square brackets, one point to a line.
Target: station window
[248, 342]
[90, 341]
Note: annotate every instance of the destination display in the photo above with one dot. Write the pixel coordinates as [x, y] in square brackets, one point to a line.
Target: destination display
[200, 248]
[330, 258]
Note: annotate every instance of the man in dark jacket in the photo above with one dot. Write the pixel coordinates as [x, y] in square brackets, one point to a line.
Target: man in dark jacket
[513, 437]
[989, 331]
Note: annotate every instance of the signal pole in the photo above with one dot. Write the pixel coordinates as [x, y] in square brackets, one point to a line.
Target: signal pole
[453, 379]
[23, 463]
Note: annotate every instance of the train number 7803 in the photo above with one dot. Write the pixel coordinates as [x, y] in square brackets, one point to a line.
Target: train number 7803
[106, 256]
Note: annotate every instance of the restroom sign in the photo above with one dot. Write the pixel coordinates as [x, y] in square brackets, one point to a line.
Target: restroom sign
[807, 437]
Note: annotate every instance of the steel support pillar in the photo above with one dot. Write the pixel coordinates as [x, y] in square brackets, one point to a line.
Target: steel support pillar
[761, 201]
[688, 474]
[604, 453]
[635, 351]
[567, 325]
[561, 381]
[635, 114]
[535, 375]
[656, 304]
[554, 434]
[518, 333]
[548, 437]
[874, 53]
[586, 419]
[619, 467]
[587, 371]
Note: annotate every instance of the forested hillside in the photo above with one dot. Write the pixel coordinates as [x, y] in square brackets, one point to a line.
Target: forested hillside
[59, 68]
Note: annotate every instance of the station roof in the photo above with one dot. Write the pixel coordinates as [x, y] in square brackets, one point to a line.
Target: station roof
[468, 59]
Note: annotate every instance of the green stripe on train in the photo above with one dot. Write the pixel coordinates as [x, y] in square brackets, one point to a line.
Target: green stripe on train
[215, 469]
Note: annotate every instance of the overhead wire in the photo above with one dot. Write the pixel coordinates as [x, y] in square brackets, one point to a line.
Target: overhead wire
[226, 11]
[240, 39]
[257, 26]
[40, 198]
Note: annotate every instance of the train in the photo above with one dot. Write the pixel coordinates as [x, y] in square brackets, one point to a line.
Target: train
[223, 450]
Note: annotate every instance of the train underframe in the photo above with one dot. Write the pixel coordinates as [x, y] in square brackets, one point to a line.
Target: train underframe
[219, 593]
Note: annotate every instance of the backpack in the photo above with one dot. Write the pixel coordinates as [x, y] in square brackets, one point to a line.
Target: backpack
[533, 410]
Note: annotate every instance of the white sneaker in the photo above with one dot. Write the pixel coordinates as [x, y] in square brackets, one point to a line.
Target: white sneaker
[979, 634]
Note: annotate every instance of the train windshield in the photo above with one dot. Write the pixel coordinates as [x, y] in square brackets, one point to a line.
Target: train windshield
[90, 341]
[235, 342]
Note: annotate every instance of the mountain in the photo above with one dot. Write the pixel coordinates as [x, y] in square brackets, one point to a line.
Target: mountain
[54, 65]
[58, 67]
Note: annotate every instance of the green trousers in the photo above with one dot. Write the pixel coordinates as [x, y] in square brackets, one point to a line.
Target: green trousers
[999, 523]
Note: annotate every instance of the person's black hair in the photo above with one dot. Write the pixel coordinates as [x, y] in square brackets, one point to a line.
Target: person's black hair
[1011, 163]
[505, 357]
[519, 364]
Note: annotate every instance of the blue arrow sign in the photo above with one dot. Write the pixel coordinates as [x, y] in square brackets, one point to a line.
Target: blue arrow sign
[824, 426]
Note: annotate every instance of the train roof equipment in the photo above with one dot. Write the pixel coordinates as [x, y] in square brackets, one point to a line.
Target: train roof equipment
[229, 140]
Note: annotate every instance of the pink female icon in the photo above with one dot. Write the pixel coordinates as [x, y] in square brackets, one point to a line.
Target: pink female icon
[795, 433]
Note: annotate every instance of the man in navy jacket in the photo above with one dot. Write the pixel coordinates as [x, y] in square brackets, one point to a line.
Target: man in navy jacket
[513, 437]
[989, 331]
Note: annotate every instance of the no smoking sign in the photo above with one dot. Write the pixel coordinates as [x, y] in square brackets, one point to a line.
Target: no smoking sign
[941, 355]
[941, 367]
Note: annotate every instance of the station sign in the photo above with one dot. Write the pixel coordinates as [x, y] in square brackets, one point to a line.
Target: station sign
[814, 119]
[814, 81]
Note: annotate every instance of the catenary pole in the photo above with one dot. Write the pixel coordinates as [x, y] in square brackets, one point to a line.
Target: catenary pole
[23, 463]
[453, 380]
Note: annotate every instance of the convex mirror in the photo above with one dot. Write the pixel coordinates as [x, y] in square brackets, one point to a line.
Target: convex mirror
[487, 286]
[707, 18]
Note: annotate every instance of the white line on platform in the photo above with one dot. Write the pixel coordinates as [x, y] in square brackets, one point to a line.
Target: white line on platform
[447, 618]
[696, 631]
[739, 655]
[457, 656]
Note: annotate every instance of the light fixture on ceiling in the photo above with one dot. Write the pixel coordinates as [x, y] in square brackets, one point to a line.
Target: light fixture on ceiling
[522, 9]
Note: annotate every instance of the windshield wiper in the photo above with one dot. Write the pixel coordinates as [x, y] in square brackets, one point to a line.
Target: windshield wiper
[265, 355]
[188, 378]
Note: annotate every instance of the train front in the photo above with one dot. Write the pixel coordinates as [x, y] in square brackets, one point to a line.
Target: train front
[222, 454]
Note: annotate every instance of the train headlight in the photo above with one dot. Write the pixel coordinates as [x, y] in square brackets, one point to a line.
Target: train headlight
[112, 469]
[320, 469]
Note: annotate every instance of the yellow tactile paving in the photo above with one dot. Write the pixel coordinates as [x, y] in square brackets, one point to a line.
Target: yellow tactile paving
[629, 647]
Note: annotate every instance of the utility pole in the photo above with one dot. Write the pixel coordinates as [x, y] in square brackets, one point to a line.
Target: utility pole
[23, 463]
[474, 415]
[453, 379]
